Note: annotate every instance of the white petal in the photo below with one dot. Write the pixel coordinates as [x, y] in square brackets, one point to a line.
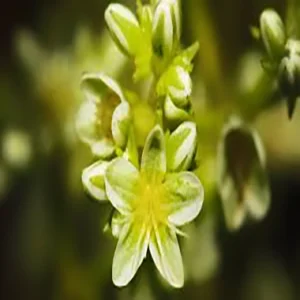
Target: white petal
[120, 124]
[86, 122]
[181, 146]
[121, 182]
[185, 194]
[130, 253]
[166, 254]
[103, 148]
[99, 84]
[93, 180]
[154, 155]
[173, 113]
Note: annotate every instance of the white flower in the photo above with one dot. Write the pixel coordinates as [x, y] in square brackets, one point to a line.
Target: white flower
[103, 119]
[150, 203]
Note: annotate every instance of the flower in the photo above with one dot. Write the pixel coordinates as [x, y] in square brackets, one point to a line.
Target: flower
[150, 203]
[103, 119]
[242, 178]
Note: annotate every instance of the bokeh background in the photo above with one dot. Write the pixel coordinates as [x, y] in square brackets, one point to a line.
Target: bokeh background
[52, 244]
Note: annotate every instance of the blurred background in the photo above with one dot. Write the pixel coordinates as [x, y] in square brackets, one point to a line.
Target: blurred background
[52, 244]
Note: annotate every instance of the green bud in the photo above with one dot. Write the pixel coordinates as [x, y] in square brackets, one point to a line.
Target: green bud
[181, 86]
[175, 82]
[162, 30]
[273, 33]
[289, 74]
[181, 146]
[124, 28]
[176, 17]
[174, 114]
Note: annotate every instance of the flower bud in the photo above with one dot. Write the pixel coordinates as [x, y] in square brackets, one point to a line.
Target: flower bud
[180, 87]
[175, 82]
[174, 114]
[289, 74]
[181, 146]
[124, 28]
[162, 30]
[176, 17]
[273, 33]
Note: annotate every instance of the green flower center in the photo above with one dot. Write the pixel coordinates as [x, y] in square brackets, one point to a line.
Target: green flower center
[150, 206]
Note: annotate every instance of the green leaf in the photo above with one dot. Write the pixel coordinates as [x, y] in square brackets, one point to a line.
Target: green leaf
[185, 57]
[166, 255]
[121, 182]
[185, 195]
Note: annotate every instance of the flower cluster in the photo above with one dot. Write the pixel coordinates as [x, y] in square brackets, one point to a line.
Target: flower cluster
[144, 148]
[283, 56]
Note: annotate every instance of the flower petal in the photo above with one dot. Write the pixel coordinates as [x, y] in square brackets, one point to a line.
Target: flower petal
[130, 252]
[121, 179]
[93, 180]
[173, 113]
[153, 162]
[100, 84]
[86, 122]
[118, 221]
[181, 146]
[120, 124]
[166, 254]
[103, 148]
[186, 194]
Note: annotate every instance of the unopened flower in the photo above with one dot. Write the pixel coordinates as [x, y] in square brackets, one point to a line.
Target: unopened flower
[103, 119]
[124, 28]
[150, 203]
[273, 33]
[289, 74]
[162, 30]
[181, 147]
[242, 178]
[176, 82]
[173, 113]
